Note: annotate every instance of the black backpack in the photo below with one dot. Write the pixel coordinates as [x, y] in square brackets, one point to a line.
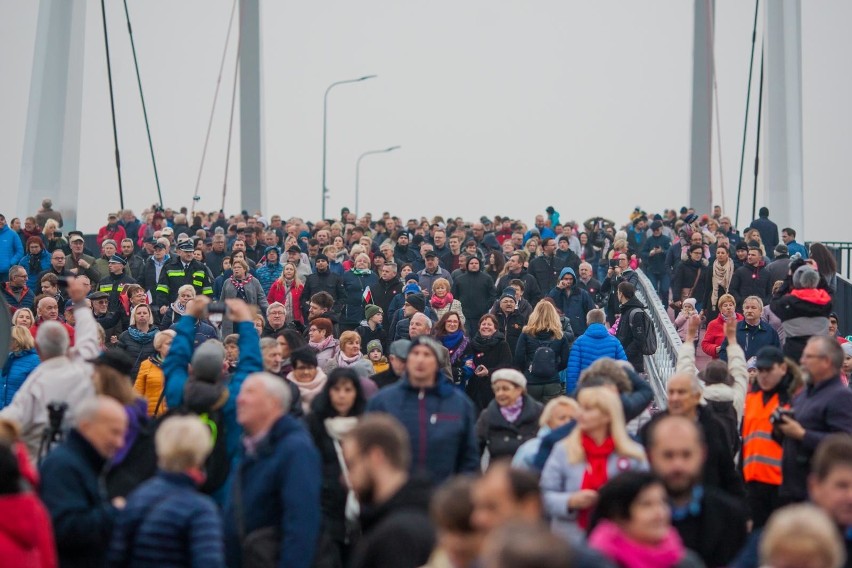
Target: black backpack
[544, 361]
[642, 328]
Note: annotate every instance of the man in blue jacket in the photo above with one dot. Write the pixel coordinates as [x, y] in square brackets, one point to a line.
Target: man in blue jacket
[278, 481]
[573, 301]
[752, 332]
[72, 482]
[440, 419]
[175, 367]
[11, 249]
[591, 346]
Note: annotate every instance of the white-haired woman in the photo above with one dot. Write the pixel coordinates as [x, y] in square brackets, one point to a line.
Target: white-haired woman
[556, 413]
[167, 521]
[510, 419]
[598, 449]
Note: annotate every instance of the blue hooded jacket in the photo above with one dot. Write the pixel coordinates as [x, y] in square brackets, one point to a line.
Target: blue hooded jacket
[18, 367]
[574, 306]
[441, 424]
[588, 348]
[11, 249]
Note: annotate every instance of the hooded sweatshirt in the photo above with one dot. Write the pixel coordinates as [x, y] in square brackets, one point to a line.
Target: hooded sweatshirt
[26, 537]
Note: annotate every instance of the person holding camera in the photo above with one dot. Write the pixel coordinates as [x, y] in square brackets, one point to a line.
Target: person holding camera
[822, 408]
[619, 271]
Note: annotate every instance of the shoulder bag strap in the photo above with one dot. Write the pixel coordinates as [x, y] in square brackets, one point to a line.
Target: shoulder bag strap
[695, 283]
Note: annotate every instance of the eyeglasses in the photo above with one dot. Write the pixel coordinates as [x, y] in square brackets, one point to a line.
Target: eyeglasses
[275, 312]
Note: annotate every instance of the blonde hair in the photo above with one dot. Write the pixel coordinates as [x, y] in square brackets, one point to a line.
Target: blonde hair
[22, 339]
[50, 224]
[183, 443]
[544, 318]
[161, 337]
[241, 262]
[726, 298]
[551, 407]
[608, 402]
[135, 309]
[348, 337]
[802, 531]
[20, 310]
[441, 282]
[297, 282]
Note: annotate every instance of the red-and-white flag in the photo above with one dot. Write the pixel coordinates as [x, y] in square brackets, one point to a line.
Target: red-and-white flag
[367, 295]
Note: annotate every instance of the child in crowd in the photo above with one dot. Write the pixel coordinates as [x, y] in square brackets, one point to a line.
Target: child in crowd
[687, 310]
[376, 356]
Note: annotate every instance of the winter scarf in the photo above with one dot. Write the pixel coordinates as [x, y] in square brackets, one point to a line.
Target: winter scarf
[441, 303]
[358, 272]
[143, 337]
[288, 299]
[240, 286]
[512, 412]
[481, 343]
[344, 361]
[456, 343]
[178, 308]
[309, 390]
[322, 344]
[611, 541]
[721, 278]
[595, 476]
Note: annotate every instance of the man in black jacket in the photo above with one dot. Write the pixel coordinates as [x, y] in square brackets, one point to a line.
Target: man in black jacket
[710, 522]
[389, 286]
[767, 229]
[323, 280]
[546, 268]
[752, 278]
[515, 271]
[632, 327]
[71, 483]
[394, 508]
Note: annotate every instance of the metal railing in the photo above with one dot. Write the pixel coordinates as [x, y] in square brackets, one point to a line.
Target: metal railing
[661, 365]
[842, 305]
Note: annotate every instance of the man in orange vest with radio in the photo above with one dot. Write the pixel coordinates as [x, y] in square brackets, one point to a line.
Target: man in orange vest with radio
[778, 379]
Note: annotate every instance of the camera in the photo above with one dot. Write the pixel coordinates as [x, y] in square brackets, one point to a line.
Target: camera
[57, 234]
[613, 263]
[56, 414]
[217, 308]
[777, 417]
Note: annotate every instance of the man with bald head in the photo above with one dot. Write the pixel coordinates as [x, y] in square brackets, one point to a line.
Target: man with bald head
[279, 476]
[684, 394]
[47, 309]
[71, 490]
[710, 522]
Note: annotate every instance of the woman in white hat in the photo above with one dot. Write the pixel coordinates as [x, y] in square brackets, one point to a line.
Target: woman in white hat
[510, 419]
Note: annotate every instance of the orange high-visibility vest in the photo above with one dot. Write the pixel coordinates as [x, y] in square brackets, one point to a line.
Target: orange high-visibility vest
[761, 454]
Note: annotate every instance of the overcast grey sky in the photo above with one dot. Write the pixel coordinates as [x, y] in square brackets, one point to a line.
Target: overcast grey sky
[501, 107]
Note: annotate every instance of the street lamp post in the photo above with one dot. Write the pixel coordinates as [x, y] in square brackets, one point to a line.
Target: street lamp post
[358, 171]
[325, 129]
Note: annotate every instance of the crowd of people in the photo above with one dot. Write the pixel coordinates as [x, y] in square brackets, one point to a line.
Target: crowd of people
[246, 390]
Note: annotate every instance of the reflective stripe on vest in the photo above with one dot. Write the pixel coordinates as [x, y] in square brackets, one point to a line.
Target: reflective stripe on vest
[176, 273]
[105, 288]
[761, 454]
[199, 274]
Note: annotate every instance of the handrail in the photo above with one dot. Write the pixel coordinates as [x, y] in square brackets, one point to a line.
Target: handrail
[661, 365]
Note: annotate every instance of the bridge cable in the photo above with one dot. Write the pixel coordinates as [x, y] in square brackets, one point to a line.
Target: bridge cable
[748, 100]
[231, 119]
[757, 148]
[112, 107]
[195, 197]
[144, 107]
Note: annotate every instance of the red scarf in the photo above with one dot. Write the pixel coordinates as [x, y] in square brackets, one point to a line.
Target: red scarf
[596, 474]
[441, 303]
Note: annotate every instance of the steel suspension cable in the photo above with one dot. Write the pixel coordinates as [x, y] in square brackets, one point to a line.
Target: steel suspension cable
[112, 107]
[215, 99]
[745, 122]
[231, 122]
[757, 146]
[144, 106]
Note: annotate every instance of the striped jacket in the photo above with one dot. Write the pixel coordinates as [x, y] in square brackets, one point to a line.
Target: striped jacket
[174, 275]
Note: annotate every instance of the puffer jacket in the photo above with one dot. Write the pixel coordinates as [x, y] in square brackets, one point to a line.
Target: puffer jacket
[503, 438]
[804, 313]
[150, 382]
[35, 266]
[26, 537]
[18, 367]
[440, 423]
[595, 344]
[748, 281]
[476, 292]
[138, 350]
[11, 249]
[268, 274]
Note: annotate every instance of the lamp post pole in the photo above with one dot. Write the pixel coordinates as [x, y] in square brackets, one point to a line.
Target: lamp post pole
[358, 171]
[325, 130]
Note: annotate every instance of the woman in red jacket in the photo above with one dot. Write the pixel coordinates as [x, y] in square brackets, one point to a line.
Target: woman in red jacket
[715, 335]
[26, 537]
[287, 291]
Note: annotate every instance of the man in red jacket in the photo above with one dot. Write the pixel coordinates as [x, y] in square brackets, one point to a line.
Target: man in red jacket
[112, 230]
